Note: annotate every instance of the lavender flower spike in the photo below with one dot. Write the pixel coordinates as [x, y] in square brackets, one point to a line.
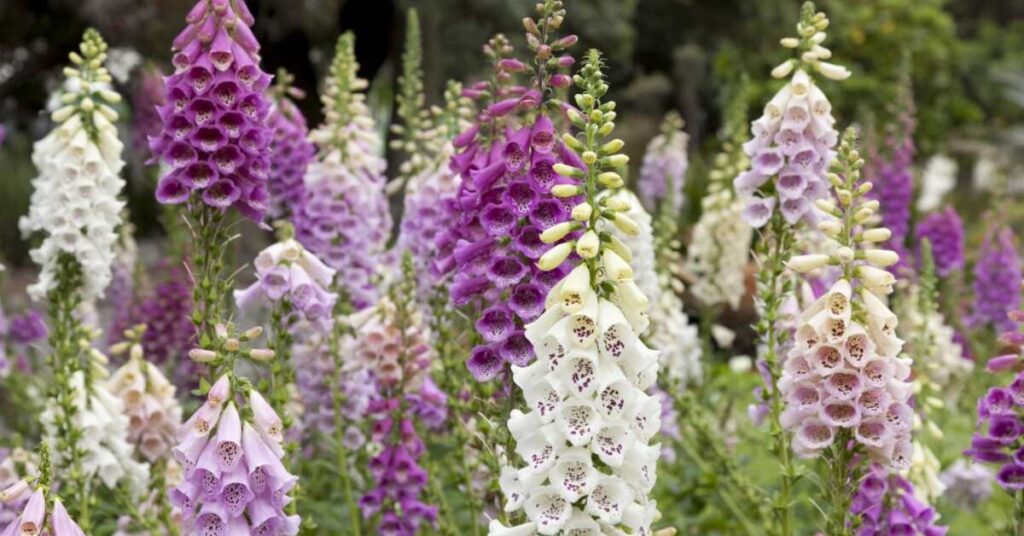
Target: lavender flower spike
[945, 231]
[997, 276]
[663, 172]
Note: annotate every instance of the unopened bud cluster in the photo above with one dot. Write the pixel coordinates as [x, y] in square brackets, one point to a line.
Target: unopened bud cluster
[228, 347]
[808, 45]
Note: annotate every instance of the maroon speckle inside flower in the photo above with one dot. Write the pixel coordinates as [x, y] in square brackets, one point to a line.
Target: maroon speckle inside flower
[201, 111]
[231, 123]
[225, 93]
[547, 213]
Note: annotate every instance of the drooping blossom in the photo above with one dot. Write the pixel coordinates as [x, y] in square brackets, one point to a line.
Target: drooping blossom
[345, 220]
[75, 197]
[147, 397]
[235, 482]
[431, 194]
[36, 512]
[792, 142]
[945, 230]
[997, 276]
[718, 252]
[287, 273]
[670, 330]
[504, 201]
[967, 484]
[215, 137]
[587, 462]
[16, 465]
[104, 442]
[845, 375]
[147, 98]
[392, 343]
[291, 151]
[663, 171]
[887, 505]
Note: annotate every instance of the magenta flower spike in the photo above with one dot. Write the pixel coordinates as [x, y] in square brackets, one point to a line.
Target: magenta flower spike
[215, 136]
[291, 150]
[887, 505]
[997, 276]
[503, 202]
[945, 231]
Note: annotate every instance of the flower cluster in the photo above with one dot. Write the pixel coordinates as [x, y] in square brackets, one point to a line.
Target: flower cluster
[794, 137]
[16, 465]
[153, 412]
[431, 193]
[887, 505]
[894, 182]
[103, 424]
[345, 219]
[844, 378]
[717, 255]
[27, 328]
[234, 479]
[997, 276]
[504, 199]
[585, 441]
[146, 100]
[663, 171]
[167, 313]
[75, 197]
[393, 344]
[945, 231]
[967, 484]
[215, 135]
[291, 151]
[941, 359]
[670, 330]
[287, 273]
[32, 520]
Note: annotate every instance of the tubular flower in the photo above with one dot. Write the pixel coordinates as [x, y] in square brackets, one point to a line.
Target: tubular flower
[792, 141]
[997, 276]
[15, 466]
[894, 182]
[33, 517]
[718, 253]
[887, 505]
[663, 171]
[291, 150]
[288, 273]
[234, 479]
[147, 99]
[431, 193]
[345, 218]
[167, 313]
[215, 137]
[844, 378]
[504, 201]
[75, 197]
[104, 426]
[153, 412]
[588, 465]
[945, 231]
[393, 343]
[967, 484]
[670, 330]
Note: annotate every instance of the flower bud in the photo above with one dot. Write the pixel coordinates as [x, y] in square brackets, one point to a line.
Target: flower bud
[14, 491]
[572, 142]
[606, 129]
[62, 114]
[631, 295]
[844, 254]
[261, 354]
[783, 69]
[589, 157]
[566, 170]
[881, 257]
[201, 355]
[613, 146]
[615, 267]
[789, 42]
[588, 245]
[555, 256]
[252, 333]
[120, 348]
[610, 179]
[833, 71]
[231, 345]
[136, 351]
[830, 228]
[625, 224]
[565, 190]
[876, 280]
[806, 263]
[616, 160]
[557, 232]
[618, 246]
[880, 234]
[582, 212]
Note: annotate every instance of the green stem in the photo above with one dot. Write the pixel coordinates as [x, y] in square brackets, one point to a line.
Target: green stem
[209, 240]
[723, 492]
[774, 293]
[840, 488]
[338, 400]
[1018, 514]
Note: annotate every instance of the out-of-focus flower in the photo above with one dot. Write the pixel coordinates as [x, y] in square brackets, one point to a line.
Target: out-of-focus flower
[937, 179]
[663, 171]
